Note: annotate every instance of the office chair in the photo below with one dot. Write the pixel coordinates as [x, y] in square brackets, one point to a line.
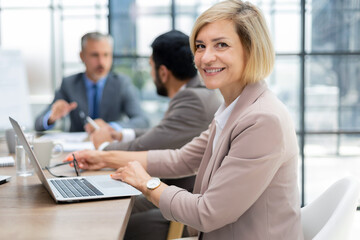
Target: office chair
[330, 216]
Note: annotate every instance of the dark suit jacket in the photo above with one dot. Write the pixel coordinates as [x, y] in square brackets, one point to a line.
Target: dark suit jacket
[118, 99]
[189, 113]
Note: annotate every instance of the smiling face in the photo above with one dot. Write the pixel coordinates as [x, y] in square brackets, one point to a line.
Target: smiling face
[220, 58]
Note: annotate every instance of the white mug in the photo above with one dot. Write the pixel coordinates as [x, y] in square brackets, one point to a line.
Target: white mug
[44, 151]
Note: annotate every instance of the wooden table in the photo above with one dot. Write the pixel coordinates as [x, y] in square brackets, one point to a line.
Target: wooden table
[27, 211]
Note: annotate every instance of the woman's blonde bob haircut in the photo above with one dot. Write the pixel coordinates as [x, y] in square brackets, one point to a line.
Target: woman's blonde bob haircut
[252, 30]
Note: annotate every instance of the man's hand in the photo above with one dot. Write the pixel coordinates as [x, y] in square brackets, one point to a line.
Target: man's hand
[117, 135]
[60, 109]
[101, 135]
[101, 123]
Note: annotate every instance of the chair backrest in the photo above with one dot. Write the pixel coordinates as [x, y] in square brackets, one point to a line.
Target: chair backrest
[330, 216]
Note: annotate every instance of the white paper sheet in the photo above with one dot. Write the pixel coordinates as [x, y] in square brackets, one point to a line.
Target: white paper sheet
[71, 141]
[66, 136]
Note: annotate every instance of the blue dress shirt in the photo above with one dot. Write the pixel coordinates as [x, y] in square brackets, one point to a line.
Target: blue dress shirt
[90, 99]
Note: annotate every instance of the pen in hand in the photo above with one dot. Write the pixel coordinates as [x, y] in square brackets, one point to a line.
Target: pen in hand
[92, 122]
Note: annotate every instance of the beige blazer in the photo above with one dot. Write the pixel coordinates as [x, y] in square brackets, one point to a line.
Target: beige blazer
[245, 189]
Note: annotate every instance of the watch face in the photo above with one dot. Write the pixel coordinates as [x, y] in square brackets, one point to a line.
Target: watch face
[153, 183]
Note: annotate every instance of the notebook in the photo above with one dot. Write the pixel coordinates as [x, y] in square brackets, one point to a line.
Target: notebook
[75, 189]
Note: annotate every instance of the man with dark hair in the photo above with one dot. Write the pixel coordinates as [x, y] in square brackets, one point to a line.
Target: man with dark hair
[170, 50]
[97, 92]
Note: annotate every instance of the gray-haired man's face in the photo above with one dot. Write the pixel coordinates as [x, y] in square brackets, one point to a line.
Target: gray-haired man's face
[97, 57]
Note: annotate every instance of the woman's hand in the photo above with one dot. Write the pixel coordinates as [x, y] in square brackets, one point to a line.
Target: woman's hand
[88, 159]
[134, 174]
[94, 160]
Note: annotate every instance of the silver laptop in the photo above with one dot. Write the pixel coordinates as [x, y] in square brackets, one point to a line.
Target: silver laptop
[74, 189]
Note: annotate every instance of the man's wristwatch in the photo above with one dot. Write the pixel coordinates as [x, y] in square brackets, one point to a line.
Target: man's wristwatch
[153, 183]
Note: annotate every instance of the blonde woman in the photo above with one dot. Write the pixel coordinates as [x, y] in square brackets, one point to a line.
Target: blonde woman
[246, 162]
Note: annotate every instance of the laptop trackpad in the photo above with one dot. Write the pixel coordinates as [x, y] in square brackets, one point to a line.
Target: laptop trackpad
[105, 181]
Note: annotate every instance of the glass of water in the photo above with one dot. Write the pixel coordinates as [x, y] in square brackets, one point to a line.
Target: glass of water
[23, 165]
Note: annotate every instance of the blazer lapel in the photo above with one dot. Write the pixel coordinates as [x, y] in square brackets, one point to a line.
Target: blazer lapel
[200, 176]
[248, 96]
[81, 95]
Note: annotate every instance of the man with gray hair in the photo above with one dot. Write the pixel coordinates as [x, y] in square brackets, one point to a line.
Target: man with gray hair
[98, 92]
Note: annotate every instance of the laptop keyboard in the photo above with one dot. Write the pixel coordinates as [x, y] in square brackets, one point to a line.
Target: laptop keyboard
[75, 188]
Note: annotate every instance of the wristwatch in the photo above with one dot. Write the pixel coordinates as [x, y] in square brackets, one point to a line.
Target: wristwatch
[153, 183]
